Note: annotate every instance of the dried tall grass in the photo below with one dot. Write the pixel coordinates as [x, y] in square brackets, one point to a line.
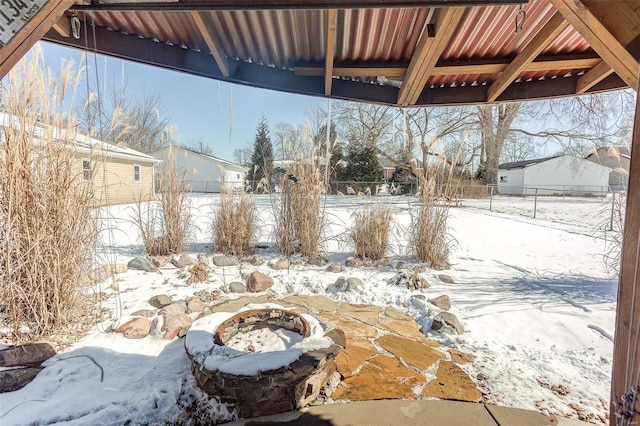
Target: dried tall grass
[165, 225]
[48, 228]
[429, 229]
[235, 225]
[370, 233]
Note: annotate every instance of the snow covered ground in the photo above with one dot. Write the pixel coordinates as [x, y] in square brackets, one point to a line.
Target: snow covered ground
[535, 298]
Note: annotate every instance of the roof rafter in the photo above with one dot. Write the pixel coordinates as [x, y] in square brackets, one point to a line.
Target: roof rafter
[214, 47]
[332, 21]
[598, 73]
[32, 31]
[63, 26]
[612, 51]
[427, 53]
[546, 35]
[377, 69]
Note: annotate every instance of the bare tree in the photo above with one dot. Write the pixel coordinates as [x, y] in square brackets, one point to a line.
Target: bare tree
[518, 147]
[494, 122]
[363, 123]
[200, 146]
[136, 123]
[242, 156]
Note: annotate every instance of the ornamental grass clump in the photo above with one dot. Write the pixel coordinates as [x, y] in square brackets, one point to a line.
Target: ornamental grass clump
[48, 224]
[308, 220]
[429, 228]
[165, 225]
[370, 233]
[235, 225]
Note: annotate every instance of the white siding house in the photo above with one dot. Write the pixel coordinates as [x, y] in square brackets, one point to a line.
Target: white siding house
[553, 175]
[204, 173]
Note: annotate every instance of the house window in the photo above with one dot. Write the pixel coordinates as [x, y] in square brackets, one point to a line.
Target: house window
[86, 169]
[137, 173]
[238, 176]
[503, 179]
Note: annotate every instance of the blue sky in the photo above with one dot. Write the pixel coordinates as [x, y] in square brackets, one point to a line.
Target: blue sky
[199, 107]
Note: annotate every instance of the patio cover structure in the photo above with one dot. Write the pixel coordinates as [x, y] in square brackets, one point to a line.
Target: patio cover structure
[393, 52]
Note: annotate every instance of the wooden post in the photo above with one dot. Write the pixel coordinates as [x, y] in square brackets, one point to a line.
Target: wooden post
[626, 351]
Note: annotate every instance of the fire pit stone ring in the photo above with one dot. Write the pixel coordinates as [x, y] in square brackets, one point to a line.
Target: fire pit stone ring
[260, 380]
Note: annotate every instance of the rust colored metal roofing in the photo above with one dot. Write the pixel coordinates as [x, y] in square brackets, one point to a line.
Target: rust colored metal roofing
[373, 48]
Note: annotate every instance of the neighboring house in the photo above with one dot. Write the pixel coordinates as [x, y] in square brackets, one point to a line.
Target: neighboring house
[560, 174]
[203, 172]
[389, 166]
[120, 175]
[618, 158]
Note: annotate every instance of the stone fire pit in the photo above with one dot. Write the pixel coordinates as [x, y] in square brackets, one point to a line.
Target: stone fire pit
[265, 359]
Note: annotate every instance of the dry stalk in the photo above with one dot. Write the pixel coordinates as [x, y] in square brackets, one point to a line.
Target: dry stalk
[235, 225]
[370, 233]
[48, 225]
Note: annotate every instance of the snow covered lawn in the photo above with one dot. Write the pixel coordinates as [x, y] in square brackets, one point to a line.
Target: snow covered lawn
[535, 298]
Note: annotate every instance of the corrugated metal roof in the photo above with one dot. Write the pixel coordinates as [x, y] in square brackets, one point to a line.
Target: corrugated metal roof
[283, 39]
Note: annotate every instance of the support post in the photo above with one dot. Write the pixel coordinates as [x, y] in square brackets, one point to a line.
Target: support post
[535, 203]
[491, 200]
[626, 349]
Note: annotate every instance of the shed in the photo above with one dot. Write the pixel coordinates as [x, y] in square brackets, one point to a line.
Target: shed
[204, 172]
[560, 174]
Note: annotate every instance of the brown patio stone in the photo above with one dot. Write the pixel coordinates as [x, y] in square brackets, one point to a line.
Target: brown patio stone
[413, 353]
[452, 382]
[460, 357]
[392, 312]
[365, 313]
[320, 303]
[353, 329]
[352, 357]
[382, 377]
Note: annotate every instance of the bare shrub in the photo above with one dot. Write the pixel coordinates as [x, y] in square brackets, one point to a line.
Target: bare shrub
[48, 228]
[165, 225]
[370, 233]
[429, 237]
[235, 225]
[305, 203]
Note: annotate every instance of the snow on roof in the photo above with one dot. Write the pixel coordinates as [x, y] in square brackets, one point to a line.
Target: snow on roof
[525, 163]
[213, 157]
[83, 142]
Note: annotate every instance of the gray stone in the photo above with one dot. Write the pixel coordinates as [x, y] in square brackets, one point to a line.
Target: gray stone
[258, 282]
[441, 302]
[341, 283]
[160, 301]
[354, 283]
[141, 264]
[317, 261]
[449, 319]
[384, 262]
[237, 287]
[183, 261]
[30, 354]
[419, 296]
[446, 279]
[222, 261]
[400, 265]
[17, 378]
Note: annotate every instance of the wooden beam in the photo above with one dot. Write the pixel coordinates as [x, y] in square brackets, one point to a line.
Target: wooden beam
[626, 353]
[203, 24]
[63, 26]
[365, 69]
[427, 53]
[33, 31]
[219, 5]
[598, 73]
[546, 35]
[612, 51]
[332, 22]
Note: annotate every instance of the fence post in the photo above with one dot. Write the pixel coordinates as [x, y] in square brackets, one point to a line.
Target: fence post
[535, 203]
[491, 200]
[613, 206]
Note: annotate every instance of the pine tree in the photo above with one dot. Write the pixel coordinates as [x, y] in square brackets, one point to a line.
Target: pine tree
[262, 157]
[362, 163]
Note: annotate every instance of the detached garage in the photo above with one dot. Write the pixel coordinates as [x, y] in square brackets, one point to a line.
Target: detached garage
[560, 174]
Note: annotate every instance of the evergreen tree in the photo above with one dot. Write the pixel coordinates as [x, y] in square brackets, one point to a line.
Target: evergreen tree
[362, 163]
[262, 158]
